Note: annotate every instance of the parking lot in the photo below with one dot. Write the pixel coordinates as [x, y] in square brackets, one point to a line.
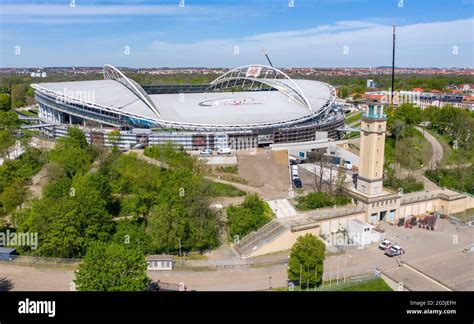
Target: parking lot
[437, 254]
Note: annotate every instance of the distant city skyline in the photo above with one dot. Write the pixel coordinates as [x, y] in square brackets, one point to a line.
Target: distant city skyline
[211, 33]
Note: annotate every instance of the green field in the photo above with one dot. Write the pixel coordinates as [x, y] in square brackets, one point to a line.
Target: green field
[368, 285]
[353, 117]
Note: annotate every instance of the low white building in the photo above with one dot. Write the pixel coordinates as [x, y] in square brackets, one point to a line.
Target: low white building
[160, 262]
[362, 233]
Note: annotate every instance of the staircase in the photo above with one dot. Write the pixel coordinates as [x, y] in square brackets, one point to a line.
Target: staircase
[264, 235]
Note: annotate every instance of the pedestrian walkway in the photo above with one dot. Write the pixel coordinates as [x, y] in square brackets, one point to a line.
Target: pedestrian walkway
[282, 208]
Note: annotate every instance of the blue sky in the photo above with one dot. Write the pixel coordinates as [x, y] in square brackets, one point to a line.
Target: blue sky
[220, 33]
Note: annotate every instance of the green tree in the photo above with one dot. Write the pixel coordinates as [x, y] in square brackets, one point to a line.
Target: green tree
[4, 102]
[19, 95]
[13, 196]
[306, 261]
[114, 137]
[72, 160]
[166, 227]
[6, 141]
[408, 113]
[112, 267]
[131, 233]
[9, 121]
[75, 138]
[248, 217]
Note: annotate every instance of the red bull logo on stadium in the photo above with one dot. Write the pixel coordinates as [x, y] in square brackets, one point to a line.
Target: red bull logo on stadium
[233, 102]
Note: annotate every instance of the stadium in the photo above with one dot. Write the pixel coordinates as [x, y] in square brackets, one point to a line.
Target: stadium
[246, 107]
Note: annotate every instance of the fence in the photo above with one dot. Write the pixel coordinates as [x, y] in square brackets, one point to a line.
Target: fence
[43, 262]
[206, 265]
[340, 283]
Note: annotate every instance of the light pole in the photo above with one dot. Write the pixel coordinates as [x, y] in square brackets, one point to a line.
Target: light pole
[179, 240]
[345, 267]
[307, 281]
[301, 274]
[330, 273]
[270, 283]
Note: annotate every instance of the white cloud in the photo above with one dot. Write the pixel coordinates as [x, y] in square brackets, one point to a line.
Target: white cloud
[369, 44]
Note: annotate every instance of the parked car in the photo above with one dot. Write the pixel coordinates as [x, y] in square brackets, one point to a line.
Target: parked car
[469, 249]
[294, 172]
[394, 251]
[206, 152]
[224, 150]
[8, 254]
[297, 182]
[347, 165]
[385, 244]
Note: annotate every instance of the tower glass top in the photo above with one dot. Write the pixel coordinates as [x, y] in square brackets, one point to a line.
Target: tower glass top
[374, 111]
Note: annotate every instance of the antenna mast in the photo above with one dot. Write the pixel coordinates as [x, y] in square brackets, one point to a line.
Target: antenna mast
[393, 67]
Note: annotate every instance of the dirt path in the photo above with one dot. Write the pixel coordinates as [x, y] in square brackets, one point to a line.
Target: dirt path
[267, 194]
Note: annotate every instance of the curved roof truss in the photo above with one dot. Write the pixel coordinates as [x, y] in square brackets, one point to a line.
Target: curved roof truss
[112, 73]
[255, 77]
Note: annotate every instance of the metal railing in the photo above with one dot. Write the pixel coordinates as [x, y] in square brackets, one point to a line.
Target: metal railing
[373, 115]
[44, 262]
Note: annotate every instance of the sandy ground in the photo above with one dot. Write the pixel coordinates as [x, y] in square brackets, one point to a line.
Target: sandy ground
[265, 170]
[24, 278]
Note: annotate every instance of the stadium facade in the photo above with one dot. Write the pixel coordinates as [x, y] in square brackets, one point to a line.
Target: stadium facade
[246, 107]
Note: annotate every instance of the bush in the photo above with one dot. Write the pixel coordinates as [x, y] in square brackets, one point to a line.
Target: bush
[408, 184]
[228, 169]
[315, 200]
[461, 179]
[171, 154]
[248, 217]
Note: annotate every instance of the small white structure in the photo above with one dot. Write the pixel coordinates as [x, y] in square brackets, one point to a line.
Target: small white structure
[160, 262]
[362, 233]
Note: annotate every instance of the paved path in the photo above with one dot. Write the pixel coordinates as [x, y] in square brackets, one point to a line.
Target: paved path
[437, 156]
[282, 208]
[438, 153]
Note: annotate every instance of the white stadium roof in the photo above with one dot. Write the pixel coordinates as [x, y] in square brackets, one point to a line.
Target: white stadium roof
[293, 100]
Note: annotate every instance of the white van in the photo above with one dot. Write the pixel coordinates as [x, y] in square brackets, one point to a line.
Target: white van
[294, 173]
[347, 165]
[224, 150]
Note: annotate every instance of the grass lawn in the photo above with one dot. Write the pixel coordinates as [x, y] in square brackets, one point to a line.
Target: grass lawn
[226, 190]
[353, 117]
[228, 169]
[466, 216]
[449, 155]
[368, 285]
[415, 151]
[28, 113]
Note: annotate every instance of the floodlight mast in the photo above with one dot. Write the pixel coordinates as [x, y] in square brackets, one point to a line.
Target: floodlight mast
[268, 59]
